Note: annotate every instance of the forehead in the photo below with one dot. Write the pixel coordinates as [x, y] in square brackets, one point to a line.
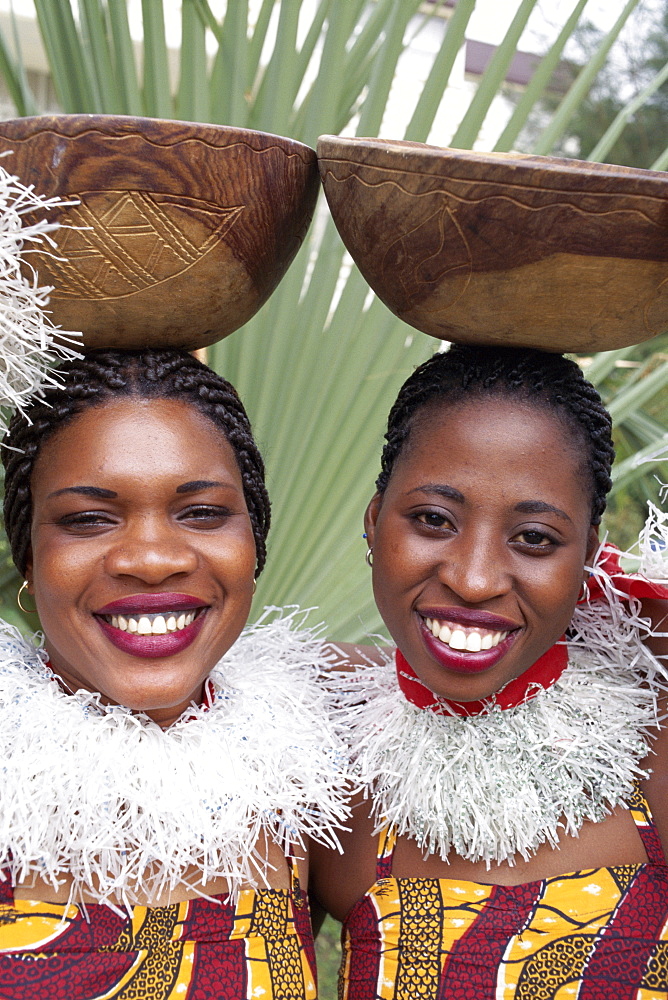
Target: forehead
[495, 447]
[136, 439]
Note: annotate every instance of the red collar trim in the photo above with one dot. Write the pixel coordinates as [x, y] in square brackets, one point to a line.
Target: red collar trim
[542, 675]
[625, 584]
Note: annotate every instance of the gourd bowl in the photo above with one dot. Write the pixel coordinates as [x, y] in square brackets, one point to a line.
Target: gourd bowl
[504, 249]
[178, 232]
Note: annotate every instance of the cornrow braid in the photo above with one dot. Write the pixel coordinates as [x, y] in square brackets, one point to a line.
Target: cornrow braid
[101, 376]
[551, 381]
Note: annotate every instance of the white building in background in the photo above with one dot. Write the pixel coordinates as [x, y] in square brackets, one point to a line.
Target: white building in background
[471, 63]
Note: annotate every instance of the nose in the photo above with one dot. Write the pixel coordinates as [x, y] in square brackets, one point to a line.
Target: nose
[151, 552]
[474, 568]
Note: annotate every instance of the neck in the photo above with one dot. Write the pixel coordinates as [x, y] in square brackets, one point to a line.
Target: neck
[163, 717]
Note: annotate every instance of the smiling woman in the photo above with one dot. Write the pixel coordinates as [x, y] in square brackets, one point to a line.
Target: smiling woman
[158, 501]
[512, 752]
[161, 771]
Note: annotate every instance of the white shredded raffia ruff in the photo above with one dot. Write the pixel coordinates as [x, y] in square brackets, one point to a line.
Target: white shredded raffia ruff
[28, 348]
[106, 796]
[494, 786]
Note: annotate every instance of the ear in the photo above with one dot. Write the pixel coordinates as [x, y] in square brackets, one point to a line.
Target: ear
[592, 545]
[371, 516]
[29, 576]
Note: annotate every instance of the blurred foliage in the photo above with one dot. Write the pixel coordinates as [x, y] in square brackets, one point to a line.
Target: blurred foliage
[638, 433]
[622, 118]
[328, 958]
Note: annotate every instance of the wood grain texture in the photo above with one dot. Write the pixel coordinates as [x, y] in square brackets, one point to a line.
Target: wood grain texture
[182, 231]
[501, 248]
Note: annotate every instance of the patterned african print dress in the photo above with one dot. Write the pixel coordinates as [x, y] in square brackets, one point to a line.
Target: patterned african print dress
[592, 935]
[198, 950]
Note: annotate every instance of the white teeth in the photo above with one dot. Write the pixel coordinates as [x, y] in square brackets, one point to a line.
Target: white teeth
[474, 642]
[457, 639]
[144, 626]
[461, 638]
[154, 624]
[159, 626]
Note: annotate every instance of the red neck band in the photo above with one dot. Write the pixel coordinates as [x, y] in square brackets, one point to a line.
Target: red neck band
[541, 675]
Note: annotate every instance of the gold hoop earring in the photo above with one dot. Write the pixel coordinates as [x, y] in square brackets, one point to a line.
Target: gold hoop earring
[369, 557]
[26, 611]
[254, 587]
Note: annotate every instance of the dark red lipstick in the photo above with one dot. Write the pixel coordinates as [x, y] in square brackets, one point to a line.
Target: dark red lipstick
[464, 661]
[152, 646]
[470, 618]
[151, 604]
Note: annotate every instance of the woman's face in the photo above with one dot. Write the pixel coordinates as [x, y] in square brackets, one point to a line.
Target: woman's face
[143, 554]
[479, 541]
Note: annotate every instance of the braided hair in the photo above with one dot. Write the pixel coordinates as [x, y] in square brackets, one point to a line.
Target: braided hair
[102, 376]
[470, 372]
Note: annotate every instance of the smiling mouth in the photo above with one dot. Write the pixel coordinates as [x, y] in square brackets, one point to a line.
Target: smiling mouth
[463, 638]
[153, 624]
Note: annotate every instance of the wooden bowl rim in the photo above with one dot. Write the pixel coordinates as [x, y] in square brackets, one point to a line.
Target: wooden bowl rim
[398, 154]
[162, 131]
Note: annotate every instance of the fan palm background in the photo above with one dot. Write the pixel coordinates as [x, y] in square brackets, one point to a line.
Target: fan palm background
[320, 364]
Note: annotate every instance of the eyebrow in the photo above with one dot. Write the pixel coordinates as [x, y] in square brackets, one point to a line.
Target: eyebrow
[524, 507]
[86, 491]
[539, 507]
[449, 492]
[198, 484]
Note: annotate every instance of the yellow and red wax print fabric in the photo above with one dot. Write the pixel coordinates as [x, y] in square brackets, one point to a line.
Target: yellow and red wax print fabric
[199, 950]
[591, 935]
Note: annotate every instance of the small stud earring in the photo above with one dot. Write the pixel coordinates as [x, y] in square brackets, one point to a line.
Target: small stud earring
[369, 557]
[26, 611]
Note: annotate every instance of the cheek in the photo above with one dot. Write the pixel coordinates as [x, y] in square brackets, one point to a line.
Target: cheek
[59, 570]
[235, 554]
[553, 589]
[399, 565]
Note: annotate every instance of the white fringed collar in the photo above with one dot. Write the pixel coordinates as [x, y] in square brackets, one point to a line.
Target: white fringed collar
[497, 785]
[125, 808]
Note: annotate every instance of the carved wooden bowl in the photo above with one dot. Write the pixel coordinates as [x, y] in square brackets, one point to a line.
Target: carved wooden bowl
[502, 249]
[183, 230]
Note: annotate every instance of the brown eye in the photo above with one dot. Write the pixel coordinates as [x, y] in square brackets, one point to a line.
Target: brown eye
[205, 516]
[537, 539]
[433, 519]
[86, 519]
